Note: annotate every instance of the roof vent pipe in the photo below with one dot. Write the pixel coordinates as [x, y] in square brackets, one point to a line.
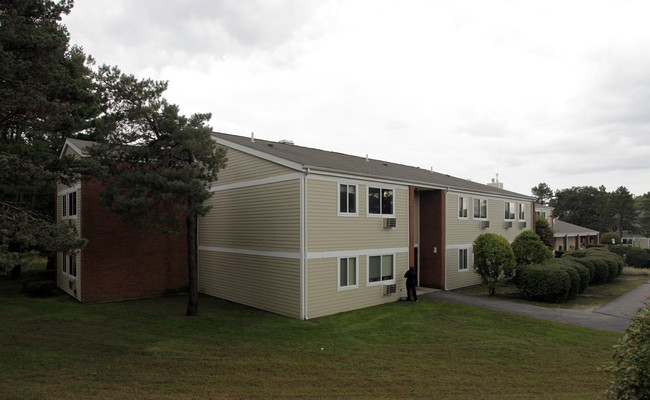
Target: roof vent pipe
[367, 159]
[252, 136]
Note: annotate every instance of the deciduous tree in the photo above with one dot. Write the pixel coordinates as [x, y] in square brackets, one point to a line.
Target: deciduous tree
[494, 260]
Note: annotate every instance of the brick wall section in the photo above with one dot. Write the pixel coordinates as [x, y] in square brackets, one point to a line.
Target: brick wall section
[432, 235]
[122, 261]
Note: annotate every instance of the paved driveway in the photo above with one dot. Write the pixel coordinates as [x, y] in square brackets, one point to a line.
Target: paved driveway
[614, 316]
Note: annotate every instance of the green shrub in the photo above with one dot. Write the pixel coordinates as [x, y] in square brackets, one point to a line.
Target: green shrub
[630, 370]
[494, 260]
[606, 238]
[602, 271]
[581, 270]
[589, 264]
[544, 283]
[637, 257]
[529, 249]
[620, 250]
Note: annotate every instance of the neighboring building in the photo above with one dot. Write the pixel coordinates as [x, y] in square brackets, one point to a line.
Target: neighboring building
[120, 261]
[632, 240]
[572, 237]
[305, 233]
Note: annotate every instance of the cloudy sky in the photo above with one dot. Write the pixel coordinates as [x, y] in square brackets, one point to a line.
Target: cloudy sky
[535, 91]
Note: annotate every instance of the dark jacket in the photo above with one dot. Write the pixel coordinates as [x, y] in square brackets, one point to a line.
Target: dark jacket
[411, 277]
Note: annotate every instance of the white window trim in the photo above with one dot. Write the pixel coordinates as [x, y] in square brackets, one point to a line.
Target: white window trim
[338, 274]
[487, 209]
[380, 215]
[386, 282]
[469, 262]
[466, 201]
[515, 210]
[338, 201]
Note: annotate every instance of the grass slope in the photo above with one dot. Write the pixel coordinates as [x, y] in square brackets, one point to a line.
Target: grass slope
[147, 349]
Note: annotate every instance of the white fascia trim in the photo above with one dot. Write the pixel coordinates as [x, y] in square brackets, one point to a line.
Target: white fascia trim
[316, 255]
[69, 190]
[490, 196]
[251, 252]
[260, 154]
[258, 182]
[319, 175]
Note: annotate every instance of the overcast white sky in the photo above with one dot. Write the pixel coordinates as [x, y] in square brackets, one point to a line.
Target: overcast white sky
[536, 91]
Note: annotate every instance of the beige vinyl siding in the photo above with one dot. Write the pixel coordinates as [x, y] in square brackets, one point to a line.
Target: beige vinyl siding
[324, 298]
[263, 217]
[68, 284]
[267, 283]
[248, 168]
[327, 231]
[462, 232]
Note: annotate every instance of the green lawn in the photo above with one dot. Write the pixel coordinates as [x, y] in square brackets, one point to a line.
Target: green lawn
[55, 348]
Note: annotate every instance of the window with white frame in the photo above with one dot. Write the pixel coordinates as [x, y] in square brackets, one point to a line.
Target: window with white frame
[463, 259]
[380, 201]
[522, 211]
[480, 208]
[69, 205]
[381, 268]
[347, 199]
[462, 207]
[510, 209]
[348, 273]
[69, 264]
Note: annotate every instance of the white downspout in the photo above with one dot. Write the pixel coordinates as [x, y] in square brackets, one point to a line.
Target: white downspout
[303, 246]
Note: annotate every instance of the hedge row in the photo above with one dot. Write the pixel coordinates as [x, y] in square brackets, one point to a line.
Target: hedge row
[634, 256]
[561, 279]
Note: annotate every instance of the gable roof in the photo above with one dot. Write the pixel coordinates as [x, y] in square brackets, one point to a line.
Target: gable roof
[561, 228]
[305, 158]
[78, 145]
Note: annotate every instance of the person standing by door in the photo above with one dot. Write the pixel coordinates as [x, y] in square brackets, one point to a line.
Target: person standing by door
[411, 282]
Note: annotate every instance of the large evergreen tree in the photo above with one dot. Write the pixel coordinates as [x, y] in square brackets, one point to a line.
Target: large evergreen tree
[542, 192]
[160, 163]
[584, 206]
[45, 96]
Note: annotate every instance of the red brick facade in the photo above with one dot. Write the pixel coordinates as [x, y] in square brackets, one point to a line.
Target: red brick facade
[432, 238]
[122, 261]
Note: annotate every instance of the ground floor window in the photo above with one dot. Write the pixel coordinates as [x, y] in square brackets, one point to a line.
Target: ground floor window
[381, 268]
[348, 273]
[69, 264]
[463, 259]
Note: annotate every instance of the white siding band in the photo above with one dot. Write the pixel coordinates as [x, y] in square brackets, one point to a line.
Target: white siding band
[310, 255]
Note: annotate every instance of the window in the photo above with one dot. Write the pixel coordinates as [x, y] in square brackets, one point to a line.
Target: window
[72, 203]
[463, 259]
[380, 268]
[348, 273]
[69, 264]
[510, 210]
[380, 201]
[522, 211]
[480, 209]
[462, 207]
[347, 199]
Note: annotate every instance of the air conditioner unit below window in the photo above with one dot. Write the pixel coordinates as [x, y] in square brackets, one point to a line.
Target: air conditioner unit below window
[389, 289]
[522, 224]
[485, 224]
[389, 223]
[508, 224]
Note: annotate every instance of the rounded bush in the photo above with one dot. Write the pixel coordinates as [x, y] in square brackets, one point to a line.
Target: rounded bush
[591, 268]
[602, 271]
[571, 268]
[529, 249]
[606, 238]
[545, 283]
[637, 257]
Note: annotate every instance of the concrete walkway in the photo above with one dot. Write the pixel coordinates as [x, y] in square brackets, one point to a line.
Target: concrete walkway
[614, 316]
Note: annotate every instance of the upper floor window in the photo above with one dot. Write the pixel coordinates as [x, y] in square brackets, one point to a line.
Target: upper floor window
[380, 201]
[69, 204]
[522, 211]
[480, 209]
[347, 199]
[462, 206]
[510, 209]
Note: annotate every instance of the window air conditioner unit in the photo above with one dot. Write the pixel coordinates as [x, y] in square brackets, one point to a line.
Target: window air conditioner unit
[389, 289]
[389, 223]
[522, 225]
[485, 224]
[508, 224]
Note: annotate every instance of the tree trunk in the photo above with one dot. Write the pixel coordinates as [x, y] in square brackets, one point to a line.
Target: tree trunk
[192, 266]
